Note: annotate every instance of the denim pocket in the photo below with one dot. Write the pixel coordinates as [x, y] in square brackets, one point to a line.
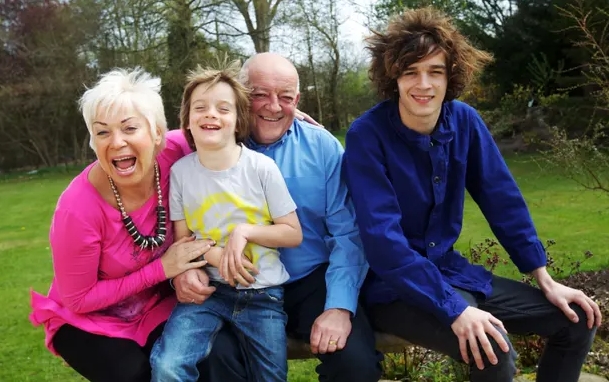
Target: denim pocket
[275, 294]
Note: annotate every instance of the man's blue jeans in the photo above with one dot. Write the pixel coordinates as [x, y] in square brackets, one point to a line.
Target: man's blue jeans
[257, 317]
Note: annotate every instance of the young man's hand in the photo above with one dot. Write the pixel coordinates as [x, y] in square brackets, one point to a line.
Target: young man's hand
[473, 326]
[561, 296]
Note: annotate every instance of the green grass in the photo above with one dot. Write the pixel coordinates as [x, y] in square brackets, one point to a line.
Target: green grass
[576, 219]
[562, 211]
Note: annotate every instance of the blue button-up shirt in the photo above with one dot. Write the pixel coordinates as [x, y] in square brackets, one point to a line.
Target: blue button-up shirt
[409, 190]
[310, 159]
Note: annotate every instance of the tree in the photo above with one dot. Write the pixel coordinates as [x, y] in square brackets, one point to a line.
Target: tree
[43, 69]
[257, 15]
[468, 15]
[320, 22]
[264, 13]
[131, 33]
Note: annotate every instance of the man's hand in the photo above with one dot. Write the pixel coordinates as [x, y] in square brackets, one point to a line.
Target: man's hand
[472, 326]
[192, 286]
[561, 296]
[330, 331]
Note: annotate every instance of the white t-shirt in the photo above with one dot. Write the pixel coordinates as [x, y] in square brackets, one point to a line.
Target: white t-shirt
[214, 202]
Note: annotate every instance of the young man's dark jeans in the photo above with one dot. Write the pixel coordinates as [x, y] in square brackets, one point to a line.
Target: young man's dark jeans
[304, 301]
[523, 309]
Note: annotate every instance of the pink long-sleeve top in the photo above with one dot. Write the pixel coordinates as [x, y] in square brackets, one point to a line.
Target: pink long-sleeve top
[103, 283]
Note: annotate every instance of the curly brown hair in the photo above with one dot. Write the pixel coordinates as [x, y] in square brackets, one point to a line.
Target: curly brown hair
[210, 77]
[414, 35]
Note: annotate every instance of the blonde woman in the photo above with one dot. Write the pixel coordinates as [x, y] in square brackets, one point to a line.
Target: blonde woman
[111, 237]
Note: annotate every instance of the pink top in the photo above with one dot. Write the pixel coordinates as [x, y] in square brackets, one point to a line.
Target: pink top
[103, 283]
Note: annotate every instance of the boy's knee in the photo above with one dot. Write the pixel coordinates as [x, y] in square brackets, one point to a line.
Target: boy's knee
[164, 369]
[164, 365]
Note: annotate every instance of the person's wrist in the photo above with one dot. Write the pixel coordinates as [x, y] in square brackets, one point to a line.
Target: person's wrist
[214, 256]
[244, 230]
[543, 278]
[344, 311]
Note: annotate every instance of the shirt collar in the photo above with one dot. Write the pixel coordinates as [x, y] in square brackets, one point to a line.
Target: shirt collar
[252, 144]
[442, 134]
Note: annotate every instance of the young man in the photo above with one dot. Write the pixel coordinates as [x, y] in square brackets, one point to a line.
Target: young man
[408, 162]
[329, 267]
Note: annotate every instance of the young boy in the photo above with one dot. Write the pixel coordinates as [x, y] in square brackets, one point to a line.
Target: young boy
[408, 162]
[237, 197]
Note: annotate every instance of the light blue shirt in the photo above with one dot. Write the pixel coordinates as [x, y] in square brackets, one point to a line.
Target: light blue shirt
[309, 158]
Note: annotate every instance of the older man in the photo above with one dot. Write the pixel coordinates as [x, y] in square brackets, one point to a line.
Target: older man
[328, 268]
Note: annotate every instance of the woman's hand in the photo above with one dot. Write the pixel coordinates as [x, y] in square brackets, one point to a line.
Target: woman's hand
[179, 257]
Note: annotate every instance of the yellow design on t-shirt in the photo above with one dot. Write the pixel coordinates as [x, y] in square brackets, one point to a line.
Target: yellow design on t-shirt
[227, 206]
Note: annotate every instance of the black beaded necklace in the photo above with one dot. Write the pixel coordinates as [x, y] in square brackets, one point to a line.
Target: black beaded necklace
[142, 240]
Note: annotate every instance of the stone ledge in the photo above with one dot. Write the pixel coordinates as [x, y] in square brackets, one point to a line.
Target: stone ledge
[584, 377]
[385, 343]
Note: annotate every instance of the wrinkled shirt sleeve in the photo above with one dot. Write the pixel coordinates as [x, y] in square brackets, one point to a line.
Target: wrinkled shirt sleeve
[493, 188]
[76, 261]
[348, 266]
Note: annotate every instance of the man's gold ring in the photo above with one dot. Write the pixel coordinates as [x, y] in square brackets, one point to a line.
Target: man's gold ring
[332, 342]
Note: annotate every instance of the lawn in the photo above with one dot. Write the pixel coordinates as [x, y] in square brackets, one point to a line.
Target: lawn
[577, 220]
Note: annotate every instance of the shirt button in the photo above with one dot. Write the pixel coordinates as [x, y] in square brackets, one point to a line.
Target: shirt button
[432, 244]
[436, 179]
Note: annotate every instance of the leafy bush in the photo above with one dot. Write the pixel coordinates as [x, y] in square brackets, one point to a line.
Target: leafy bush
[524, 112]
[584, 158]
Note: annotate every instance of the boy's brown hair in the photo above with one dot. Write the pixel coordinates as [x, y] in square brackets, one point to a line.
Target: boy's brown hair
[414, 35]
[210, 77]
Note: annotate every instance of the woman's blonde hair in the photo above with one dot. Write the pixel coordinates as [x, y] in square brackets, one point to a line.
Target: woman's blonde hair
[121, 88]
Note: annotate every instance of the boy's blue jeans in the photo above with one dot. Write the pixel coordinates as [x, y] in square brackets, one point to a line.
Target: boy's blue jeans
[256, 315]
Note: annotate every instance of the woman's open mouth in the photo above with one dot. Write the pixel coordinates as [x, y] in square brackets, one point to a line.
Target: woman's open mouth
[124, 165]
